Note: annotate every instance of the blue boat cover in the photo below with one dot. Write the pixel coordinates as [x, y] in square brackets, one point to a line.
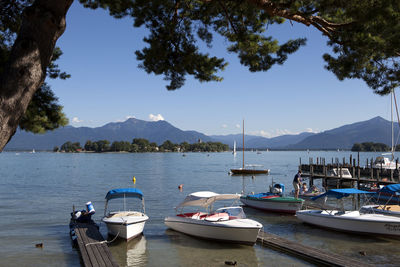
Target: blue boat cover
[393, 189]
[342, 192]
[124, 192]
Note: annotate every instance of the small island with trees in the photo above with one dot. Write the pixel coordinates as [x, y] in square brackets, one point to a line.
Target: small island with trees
[372, 147]
[140, 145]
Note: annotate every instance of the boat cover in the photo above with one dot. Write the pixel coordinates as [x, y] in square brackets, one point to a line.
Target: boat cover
[393, 189]
[205, 199]
[342, 192]
[124, 192]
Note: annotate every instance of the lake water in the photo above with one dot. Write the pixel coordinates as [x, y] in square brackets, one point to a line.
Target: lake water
[37, 191]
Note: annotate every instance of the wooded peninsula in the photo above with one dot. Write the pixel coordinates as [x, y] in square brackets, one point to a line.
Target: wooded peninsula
[372, 147]
[140, 145]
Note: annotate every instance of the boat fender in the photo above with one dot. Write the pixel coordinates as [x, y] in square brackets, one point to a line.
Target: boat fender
[90, 208]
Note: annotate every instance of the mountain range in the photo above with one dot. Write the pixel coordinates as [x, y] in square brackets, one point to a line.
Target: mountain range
[374, 130]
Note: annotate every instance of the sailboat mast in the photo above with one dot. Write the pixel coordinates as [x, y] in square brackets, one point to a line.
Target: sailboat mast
[391, 118]
[243, 144]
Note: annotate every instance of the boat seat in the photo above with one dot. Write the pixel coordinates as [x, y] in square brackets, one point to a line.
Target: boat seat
[198, 215]
[216, 217]
[392, 207]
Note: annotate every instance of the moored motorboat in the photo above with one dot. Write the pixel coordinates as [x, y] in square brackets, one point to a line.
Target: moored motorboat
[227, 224]
[385, 196]
[350, 221]
[125, 224]
[388, 194]
[273, 201]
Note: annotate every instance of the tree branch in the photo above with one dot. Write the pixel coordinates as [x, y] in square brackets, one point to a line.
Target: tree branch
[324, 26]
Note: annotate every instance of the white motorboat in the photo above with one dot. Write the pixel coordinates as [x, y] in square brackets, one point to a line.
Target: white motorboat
[384, 163]
[387, 195]
[351, 221]
[125, 224]
[342, 172]
[224, 224]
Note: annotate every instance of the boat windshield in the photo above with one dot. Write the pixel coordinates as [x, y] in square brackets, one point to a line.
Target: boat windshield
[233, 212]
[345, 172]
[380, 160]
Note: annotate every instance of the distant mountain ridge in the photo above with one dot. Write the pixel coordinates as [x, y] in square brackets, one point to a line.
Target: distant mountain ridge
[259, 142]
[376, 130]
[154, 131]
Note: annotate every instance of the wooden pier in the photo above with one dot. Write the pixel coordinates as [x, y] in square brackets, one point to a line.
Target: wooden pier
[319, 169]
[310, 254]
[91, 244]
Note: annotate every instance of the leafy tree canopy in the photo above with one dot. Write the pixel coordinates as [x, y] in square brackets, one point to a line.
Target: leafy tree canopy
[370, 146]
[364, 35]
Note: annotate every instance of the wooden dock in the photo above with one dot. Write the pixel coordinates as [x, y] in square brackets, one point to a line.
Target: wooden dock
[310, 254]
[91, 244]
[367, 174]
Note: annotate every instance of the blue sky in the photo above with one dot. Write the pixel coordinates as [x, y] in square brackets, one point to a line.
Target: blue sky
[107, 86]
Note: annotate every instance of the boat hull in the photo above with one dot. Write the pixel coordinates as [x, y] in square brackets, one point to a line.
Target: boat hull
[125, 227]
[249, 171]
[277, 204]
[352, 221]
[243, 231]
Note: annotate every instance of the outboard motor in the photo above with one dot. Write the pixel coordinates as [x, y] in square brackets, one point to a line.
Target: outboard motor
[278, 189]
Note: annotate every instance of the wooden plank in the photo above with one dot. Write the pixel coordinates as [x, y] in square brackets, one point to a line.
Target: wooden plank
[82, 249]
[104, 254]
[88, 262]
[307, 253]
[91, 249]
[92, 246]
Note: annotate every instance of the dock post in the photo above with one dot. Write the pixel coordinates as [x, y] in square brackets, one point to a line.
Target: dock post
[377, 175]
[372, 171]
[358, 171]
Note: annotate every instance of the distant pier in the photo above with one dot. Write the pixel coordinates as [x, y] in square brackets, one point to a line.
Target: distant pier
[318, 168]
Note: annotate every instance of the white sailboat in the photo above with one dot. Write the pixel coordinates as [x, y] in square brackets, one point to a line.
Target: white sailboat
[248, 171]
[234, 148]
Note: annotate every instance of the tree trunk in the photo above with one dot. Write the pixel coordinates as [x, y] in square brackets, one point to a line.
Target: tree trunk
[42, 24]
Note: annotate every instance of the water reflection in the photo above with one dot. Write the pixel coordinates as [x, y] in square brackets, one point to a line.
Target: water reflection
[192, 251]
[131, 253]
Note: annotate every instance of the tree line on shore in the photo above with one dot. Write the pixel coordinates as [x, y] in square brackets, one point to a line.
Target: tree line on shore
[141, 145]
[372, 147]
